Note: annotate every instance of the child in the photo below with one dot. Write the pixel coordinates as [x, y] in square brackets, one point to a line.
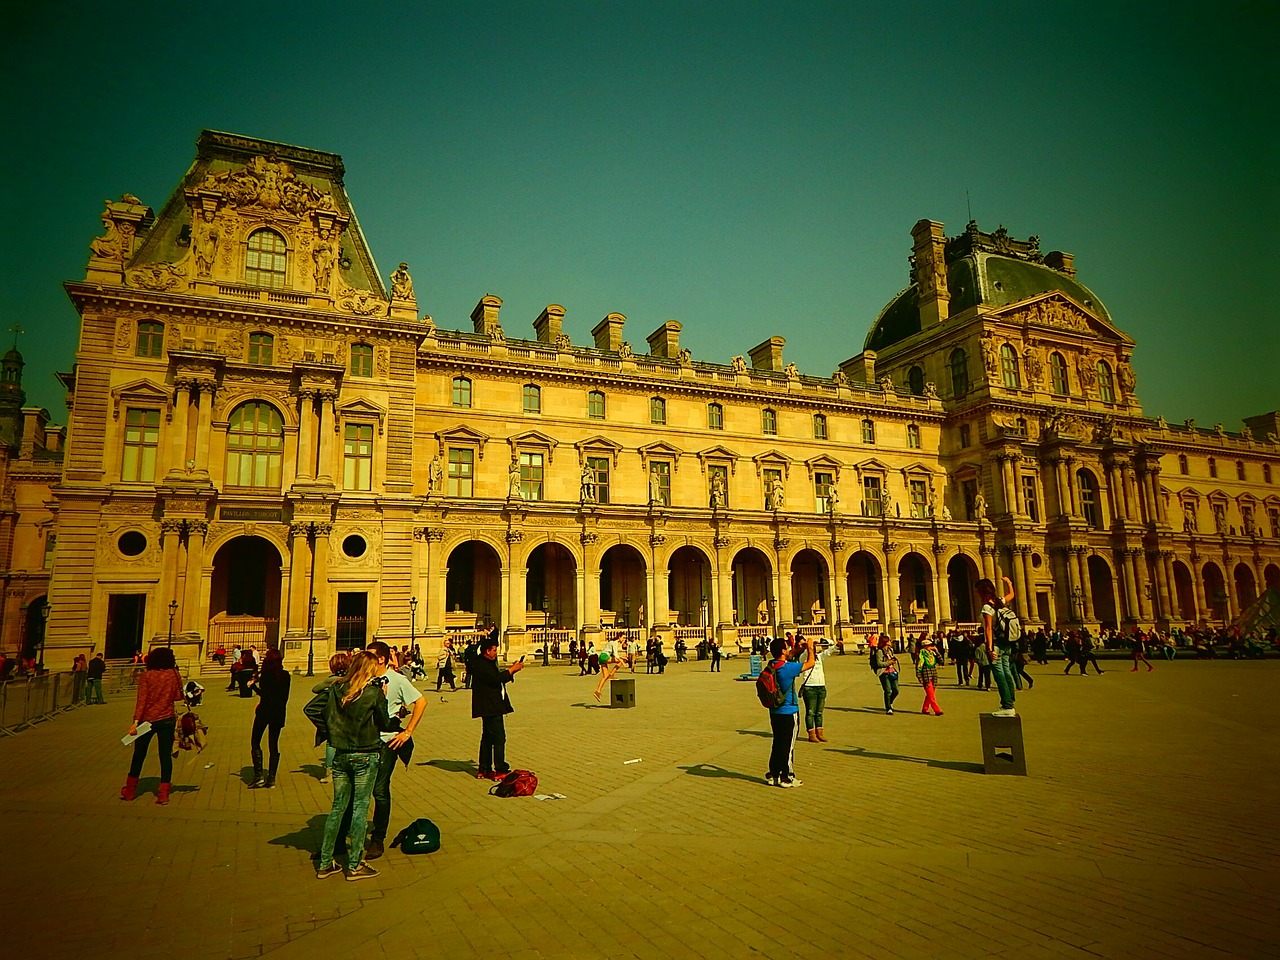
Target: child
[927, 674]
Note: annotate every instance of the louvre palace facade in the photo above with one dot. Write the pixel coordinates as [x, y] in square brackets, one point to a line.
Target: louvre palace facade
[268, 442]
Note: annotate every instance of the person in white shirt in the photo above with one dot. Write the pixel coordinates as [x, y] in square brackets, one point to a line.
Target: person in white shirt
[813, 688]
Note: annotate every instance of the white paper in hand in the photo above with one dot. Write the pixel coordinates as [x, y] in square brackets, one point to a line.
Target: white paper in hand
[143, 727]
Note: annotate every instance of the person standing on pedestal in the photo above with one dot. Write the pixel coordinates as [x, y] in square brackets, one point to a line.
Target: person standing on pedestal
[995, 638]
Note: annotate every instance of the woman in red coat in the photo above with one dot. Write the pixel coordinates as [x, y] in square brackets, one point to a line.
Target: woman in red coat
[159, 686]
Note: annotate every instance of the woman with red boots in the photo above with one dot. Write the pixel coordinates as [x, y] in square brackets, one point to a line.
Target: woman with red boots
[159, 687]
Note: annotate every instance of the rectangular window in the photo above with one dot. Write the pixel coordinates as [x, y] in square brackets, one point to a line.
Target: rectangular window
[964, 435]
[141, 440]
[150, 339]
[657, 410]
[532, 398]
[769, 422]
[718, 485]
[600, 470]
[357, 457]
[261, 348]
[595, 405]
[531, 476]
[918, 495]
[913, 436]
[822, 483]
[868, 431]
[661, 470]
[871, 502]
[361, 360]
[715, 416]
[819, 426]
[1273, 515]
[461, 472]
[461, 392]
[1029, 502]
[772, 487]
[969, 488]
[1239, 469]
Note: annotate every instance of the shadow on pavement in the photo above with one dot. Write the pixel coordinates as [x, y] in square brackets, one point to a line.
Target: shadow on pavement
[961, 766]
[592, 706]
[315, 770]
[453, 766]
[308, 838]
[711, 770]
[768, 735]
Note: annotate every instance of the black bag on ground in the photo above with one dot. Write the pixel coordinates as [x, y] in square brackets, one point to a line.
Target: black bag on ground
[421, 836]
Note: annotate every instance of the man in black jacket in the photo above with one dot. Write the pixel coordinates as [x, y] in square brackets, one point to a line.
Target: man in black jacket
[490, 703]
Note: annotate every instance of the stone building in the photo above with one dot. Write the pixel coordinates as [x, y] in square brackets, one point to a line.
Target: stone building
[267, 444]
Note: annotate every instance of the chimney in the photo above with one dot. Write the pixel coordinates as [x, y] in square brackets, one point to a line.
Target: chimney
[547, 326]
[768, 355]
[485, 316]
[1062, 262]
[929, 272]
[862, 368]
[665, 341]
[53, 439]
[34, 420]
[608, 332]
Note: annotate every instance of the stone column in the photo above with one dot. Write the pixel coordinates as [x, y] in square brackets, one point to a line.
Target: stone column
[1170, 585]
[589, 605]
[204, 425]
[1229, 581]
[1155, 566]
[941, 595]
[1073, 584]
[1022, 575]
[1073, 499]
[178, 439]
[724, 586]
[785, 615]
[515, 586]
[1009, 484]
[432, 582]
[299, 576]
[1161, 514]
[1086, 586]
[190, 612]
[987, 557]
[328, 419]
[660, 613]
[1060, 487]
[320, 586]
[1130, 585]
[306, 428]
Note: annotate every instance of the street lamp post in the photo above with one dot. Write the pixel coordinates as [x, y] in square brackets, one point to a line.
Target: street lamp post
[413, 622]
[546, 632]
[839, 628]
[173, 610]
[1077, 596]
[44, 632]
[311, 636]
[626, 612]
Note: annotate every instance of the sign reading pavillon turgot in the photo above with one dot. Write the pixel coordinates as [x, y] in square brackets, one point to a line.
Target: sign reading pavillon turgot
[242, 360]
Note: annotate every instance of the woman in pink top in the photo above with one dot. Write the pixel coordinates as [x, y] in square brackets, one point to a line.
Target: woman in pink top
[159, 686]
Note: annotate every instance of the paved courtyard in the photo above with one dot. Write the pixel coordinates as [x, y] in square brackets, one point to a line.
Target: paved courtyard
[1147, 828]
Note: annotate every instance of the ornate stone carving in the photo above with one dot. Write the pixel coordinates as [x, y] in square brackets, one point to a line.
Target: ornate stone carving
[686, 356]
[269, 184]
[563, 342]
[657, 539]
[1034, 366]
[204, 245]
[514, 536]
[624, 350]
[323, 255]
[931, 390]
[158, 276]
[792, 371]
[840, 379]
[720, 541]
[124, 335]
[402, 283]
[361, 303]
[739, 364]
[588, 538]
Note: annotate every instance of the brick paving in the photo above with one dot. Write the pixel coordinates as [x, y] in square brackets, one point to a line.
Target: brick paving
[1146, 829]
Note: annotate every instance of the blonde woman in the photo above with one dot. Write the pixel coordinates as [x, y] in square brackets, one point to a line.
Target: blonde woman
[356, 716]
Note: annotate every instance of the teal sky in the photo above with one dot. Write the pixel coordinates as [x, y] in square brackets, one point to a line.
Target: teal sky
[749, 169]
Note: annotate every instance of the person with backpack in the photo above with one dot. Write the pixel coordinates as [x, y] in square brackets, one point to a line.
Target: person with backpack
[489, 702]
[884, 664]
[1001, 632]
[779, 677]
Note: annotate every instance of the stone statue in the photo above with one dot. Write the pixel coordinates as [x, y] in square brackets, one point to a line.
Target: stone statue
[323, 256]
[931, 390]
[762, 611]
[624, 350]
[110, 246]
[717, 492]
[946, 514]
[1219, 519]
[513, 479]
[989, 356]
[563, 342]
[777, 496]
[833, 499]
[840, 378]
[739, 364]
[886, 384]
[206, 249]
[402, 283]
[1189, 524]
[980, 507]
[1125, 375]
[655, 487]
[792, 371]
[886, 503]
[588, 481]
[686, 355]
[435, 476]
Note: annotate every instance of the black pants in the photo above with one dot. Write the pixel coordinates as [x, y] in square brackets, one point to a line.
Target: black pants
[162, 731]
[445, 676]
[262, 725]
[493, 745]
[715, 662]
[786, 726]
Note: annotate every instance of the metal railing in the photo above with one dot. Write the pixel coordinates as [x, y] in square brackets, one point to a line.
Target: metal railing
[25, 701]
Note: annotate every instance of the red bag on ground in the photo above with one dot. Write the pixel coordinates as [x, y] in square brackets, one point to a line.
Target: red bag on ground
[517, 783]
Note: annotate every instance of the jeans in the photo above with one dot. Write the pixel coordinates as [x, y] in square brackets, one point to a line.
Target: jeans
[782, 757]
[889, 682]
[493, 745]
[353, 780]
[381, 796]
[1002, 673]
[815, 698]
[94, 692]
[162, 730]
[1169, 653]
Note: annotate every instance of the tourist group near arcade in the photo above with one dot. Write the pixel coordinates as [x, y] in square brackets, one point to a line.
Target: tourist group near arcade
[267, 443]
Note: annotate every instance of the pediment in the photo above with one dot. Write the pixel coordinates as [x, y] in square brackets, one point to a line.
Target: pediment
[598, 444]
[534, 438]
[1188, 493]
[140, 392]
[719, 452]
[871, 465]
[1055, 309]
[772, 459]
[362, 409]
[462, 434]
[824, 462]
[660, 450]
[917, 469]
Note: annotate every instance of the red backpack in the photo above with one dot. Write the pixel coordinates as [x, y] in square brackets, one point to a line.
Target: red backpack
[517, 783]
[771, 693]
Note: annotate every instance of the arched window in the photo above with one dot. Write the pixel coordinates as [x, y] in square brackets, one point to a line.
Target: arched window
[959, 373]
[361, 360]
[266, 259]
[1058, 374]
[595, 406]
[915, 381]
[1106, 386]
[461, 391]
[715, 416]
[1009, 367]
[261, 349]
[531, 398]
[150, 339]
[1089, 507]
[769, 421]
[657, 410]
[255, 446]
[819, 426]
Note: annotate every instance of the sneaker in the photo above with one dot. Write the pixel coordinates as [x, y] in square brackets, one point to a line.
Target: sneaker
[323, 873]
[1004, 713]
[771, 779]
[362, 872]
[325, 778]
[795, 782]
[373, 849]
[788, 784]
[889, 711]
